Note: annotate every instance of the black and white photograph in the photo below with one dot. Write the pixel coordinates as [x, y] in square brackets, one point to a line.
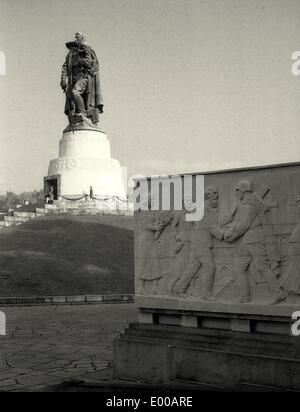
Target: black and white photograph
[149, 198]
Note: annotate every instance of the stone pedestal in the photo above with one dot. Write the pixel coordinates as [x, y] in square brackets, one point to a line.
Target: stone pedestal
[85, 160]
[217, 357]
[217, 298]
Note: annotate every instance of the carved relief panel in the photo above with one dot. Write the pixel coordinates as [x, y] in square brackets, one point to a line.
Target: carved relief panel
[245, 249]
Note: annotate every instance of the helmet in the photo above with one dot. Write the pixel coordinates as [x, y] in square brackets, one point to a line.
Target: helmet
[245, 186]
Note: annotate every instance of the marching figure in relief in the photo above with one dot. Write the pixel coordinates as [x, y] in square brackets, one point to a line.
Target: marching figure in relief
[154, 245]
[292, 280]
[248, 224]
[168, 248]
[201, 255]
[182, 230]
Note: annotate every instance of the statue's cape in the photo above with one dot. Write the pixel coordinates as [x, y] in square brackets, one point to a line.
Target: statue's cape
[94, 89]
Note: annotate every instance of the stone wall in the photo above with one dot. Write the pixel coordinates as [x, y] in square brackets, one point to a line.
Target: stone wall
[216, 297]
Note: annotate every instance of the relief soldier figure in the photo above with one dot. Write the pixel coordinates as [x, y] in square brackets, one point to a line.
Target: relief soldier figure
[292, 280]
[249, 225]
[80, 81]
[182, 230]
[201, 255]
[167, 245]
[176, 239]
[152, 261]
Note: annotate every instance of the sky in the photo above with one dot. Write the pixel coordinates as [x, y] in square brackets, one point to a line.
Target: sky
[188, 85]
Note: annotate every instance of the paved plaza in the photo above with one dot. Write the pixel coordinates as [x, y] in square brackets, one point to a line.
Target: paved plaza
[46, 345]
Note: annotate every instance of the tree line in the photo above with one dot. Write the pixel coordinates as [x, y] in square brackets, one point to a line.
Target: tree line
[11, 200]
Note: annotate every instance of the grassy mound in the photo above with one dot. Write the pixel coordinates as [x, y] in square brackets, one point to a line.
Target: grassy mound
[65, 255]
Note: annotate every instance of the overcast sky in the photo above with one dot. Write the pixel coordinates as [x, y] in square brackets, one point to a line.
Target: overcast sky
[189, 85]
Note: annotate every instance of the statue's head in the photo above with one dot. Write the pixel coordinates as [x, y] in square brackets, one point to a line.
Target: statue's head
[80, 38]
[211, 195]
[244, 186]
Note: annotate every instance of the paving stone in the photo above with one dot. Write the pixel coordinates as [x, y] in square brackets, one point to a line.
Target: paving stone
[32, 380]
[7, 382]
[15, 388]
[49, 344]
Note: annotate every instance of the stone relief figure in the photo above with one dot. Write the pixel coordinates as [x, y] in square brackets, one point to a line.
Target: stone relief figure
[152, 262]
[292, 281]
[180, 234]
[249, 225]
[168, 247]
[80, 82]
[201, 254]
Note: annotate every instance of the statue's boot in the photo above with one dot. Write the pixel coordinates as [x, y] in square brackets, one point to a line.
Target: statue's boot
[280, 296]
[78, 118]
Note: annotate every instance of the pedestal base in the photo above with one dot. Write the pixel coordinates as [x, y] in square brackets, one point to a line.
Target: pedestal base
[217, 357]
[85, 160]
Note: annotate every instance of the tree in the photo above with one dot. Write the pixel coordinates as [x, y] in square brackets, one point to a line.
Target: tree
[10, 200]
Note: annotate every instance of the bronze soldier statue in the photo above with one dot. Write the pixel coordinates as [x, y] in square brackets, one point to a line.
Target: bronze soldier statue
[80, 82]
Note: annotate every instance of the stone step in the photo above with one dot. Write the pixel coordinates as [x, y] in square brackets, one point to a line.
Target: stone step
[40, 212]
[15, 219]
[81, 204]
[48, 211]
[54, 211]
[59, 203]
[80, 207]
[28, 215]
[7, 224]
[50, 207]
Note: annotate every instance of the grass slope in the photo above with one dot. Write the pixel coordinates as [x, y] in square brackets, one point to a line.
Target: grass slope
[65, 255]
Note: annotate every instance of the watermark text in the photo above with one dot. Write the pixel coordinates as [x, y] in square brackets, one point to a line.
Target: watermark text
[2, 63]
[296, 65]
[2, 324]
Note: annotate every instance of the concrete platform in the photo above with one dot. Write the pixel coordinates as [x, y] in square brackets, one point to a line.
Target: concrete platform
[161, 354]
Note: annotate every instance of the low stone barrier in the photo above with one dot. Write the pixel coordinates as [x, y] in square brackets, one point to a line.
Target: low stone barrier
[66, 300]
